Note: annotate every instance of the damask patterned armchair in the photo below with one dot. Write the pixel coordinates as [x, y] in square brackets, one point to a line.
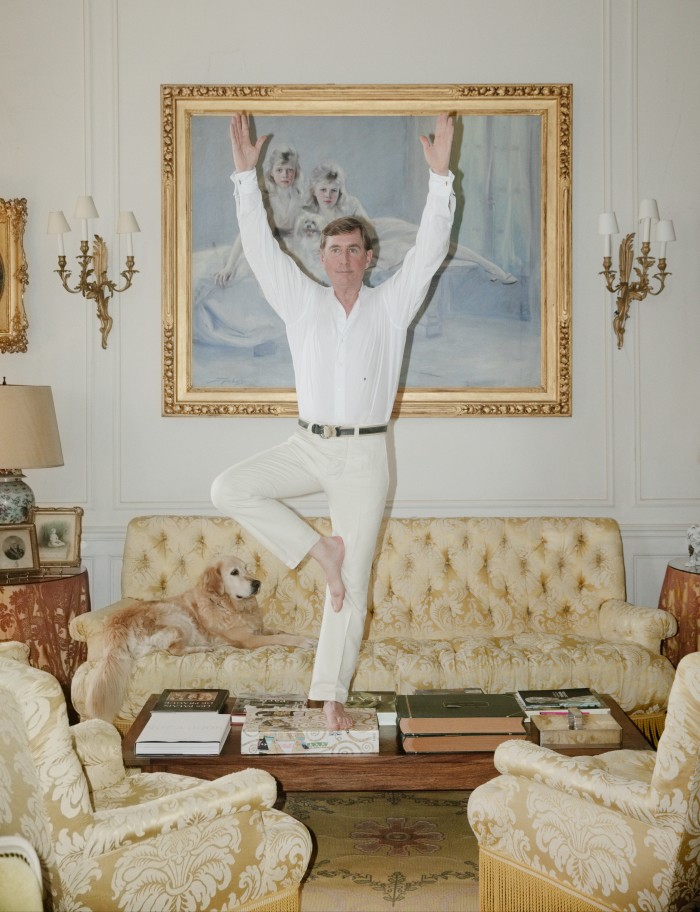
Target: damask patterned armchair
[108, 840]
[618, 831]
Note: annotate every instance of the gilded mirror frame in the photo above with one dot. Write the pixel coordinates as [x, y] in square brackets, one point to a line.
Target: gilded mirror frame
[14, 276]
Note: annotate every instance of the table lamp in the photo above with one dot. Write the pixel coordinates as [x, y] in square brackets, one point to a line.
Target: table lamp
[28, 440]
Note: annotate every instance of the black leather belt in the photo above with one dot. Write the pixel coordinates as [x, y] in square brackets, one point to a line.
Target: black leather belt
[330, 430]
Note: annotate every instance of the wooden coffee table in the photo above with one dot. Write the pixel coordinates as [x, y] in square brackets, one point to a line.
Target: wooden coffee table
[389, 770]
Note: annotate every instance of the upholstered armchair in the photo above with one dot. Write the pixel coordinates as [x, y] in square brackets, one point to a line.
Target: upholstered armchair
[618, 831]
[111, 840]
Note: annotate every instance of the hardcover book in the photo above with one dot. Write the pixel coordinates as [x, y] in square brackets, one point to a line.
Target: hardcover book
[455, 743]
[208, 699]
[467, 713]
[286, 701]
[304, 731]
[562, 698]
[183, 733]
[384, 701]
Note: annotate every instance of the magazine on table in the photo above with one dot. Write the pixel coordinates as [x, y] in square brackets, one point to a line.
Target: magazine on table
[560, 699]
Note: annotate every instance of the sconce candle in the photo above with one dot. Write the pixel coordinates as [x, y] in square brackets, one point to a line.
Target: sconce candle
[128, 225]
[58, 224]
[84, 210]
[607, 226]
[648, 213]
[664, 232]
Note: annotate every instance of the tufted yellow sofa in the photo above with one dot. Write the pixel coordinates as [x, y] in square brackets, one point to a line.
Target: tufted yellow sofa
[498, 603]
[110, 840]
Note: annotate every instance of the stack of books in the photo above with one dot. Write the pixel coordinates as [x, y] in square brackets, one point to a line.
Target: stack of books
[186, 721]
[560, 700]
[305, 731]
[442, 722]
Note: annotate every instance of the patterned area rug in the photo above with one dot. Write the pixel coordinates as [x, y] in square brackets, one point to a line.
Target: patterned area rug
[390, 851]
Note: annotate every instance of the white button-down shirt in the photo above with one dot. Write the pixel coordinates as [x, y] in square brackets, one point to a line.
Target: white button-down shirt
[346, 367]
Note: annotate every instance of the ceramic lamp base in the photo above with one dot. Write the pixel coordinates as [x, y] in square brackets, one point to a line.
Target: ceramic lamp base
[16, 498]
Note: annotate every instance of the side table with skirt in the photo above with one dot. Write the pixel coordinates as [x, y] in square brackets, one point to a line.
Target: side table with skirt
[36, 609]
[680, 596]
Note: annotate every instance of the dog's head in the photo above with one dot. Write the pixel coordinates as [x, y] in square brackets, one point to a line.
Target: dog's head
[228, 577]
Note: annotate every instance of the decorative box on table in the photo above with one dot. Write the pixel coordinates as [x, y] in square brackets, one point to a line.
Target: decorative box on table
[597, 730]
[305, 731]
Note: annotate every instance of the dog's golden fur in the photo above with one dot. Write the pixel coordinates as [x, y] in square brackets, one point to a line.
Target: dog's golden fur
[220, 610]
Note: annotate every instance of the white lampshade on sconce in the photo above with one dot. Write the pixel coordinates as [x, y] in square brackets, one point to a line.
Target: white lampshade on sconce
[29, 440]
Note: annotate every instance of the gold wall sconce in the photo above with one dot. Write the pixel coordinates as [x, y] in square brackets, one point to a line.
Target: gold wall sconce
[93, 282]
[637, 290]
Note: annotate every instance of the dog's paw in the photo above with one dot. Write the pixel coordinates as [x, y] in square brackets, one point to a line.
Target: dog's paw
[308, 642]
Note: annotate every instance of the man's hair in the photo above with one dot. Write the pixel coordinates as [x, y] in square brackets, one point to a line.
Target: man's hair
[346, 225]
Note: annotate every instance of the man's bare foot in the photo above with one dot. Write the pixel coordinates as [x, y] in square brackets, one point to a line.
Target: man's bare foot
[336, 716]
[329, 551]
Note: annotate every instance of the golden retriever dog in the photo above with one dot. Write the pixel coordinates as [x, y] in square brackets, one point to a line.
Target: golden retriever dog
[221, 610]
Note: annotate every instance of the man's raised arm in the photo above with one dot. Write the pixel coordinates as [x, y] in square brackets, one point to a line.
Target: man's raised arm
[437, 153]
[245, 152]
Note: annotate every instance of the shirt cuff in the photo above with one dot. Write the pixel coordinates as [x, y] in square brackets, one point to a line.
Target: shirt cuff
[245, 180]
[441, 182]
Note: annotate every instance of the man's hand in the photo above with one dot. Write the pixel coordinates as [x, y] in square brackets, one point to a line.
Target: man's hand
[437, 153]
[245, 153]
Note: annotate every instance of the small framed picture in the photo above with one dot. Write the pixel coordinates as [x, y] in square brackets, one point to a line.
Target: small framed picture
[58, 531]
[18, 547]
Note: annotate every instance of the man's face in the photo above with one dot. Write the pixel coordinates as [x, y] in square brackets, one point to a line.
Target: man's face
[345, 259]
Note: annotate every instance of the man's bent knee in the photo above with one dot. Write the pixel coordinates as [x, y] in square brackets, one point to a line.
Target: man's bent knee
[229, 493]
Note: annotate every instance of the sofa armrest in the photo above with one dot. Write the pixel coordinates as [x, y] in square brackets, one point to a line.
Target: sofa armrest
[622, 622]
[583, 777]
[221, 837]
[88, 627]
[99, 749]
[240, 792]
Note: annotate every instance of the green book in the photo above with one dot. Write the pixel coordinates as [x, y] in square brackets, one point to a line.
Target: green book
[467, 713]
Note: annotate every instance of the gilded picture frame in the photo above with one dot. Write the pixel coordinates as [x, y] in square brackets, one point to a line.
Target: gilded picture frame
[14, 276]
[18, 548]
[58, 535]
[494, 336]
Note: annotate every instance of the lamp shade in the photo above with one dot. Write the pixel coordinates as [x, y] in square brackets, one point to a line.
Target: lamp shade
[665, 231]
[29, 438]
[57, 224]
[127, 224]
[85, 208]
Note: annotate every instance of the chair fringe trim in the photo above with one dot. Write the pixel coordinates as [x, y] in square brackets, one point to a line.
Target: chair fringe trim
[504, 887]
[650, 724]
[288, 900]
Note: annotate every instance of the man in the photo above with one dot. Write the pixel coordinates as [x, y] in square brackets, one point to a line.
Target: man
[347, 345]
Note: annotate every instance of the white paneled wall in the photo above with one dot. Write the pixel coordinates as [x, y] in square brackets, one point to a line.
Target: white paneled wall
[80, 107]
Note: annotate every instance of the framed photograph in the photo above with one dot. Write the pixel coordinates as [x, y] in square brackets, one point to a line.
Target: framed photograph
[494, 334]
[18, 547]
[14, 276]
[58, 531]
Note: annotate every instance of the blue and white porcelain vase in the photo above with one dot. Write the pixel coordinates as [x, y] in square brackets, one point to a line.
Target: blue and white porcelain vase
[16, 498]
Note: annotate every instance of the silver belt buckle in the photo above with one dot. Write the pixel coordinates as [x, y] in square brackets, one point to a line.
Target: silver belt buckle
[328, 431]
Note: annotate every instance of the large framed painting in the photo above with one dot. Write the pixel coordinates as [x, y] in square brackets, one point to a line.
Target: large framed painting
[494, 334]
[14, 275]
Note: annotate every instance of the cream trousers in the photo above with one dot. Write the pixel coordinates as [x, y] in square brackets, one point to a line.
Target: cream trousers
[353, 473]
